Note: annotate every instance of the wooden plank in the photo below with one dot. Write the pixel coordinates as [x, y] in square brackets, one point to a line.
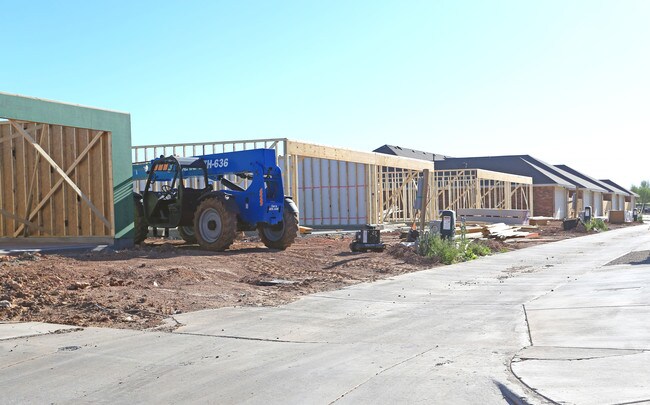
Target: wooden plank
[107, 139]
[425, 192]
[302, 187]
[30, 225]
[304, 230]
[9, 135]
[371, 158]
[488, 174]
[32, 185]
[83, 182]
[4, 132]
[99, 185]
[72, 206]
[20, 171]
[45, 182]
[56, 195]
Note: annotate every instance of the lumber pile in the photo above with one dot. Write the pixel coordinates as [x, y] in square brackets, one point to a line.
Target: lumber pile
[502, 231]
[499, 231]
[540, 220]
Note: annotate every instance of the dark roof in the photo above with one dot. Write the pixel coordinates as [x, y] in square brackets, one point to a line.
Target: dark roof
[585, 181]
[409, 153]
[523, 165]
[619, 189]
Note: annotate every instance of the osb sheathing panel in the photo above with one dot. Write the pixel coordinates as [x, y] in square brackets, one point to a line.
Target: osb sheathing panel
[36, 200]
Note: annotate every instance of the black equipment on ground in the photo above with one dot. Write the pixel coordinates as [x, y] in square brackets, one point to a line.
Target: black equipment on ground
[367, 239]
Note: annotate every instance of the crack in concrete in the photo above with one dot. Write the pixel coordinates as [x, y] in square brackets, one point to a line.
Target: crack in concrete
[167, 326]
[593, 307]
[641, 401]
[419, 302]
[627, 352]
[580, 358]
[381, 372]
[247, 338]
[54, 332]
[530, 336]
[531, 389]
[596, 348]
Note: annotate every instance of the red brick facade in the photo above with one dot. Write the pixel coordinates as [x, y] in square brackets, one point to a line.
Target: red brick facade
[543, 201]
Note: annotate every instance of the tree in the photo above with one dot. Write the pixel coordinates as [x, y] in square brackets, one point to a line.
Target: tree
[644, 193]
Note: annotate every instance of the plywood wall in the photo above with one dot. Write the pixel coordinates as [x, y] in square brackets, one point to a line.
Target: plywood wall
[55, 181]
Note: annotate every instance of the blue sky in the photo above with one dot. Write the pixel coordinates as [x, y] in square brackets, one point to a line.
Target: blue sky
[565, 81]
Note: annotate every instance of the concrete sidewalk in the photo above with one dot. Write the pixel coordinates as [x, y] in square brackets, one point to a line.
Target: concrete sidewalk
[446, 335]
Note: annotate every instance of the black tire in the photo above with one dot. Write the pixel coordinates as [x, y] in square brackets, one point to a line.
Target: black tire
[187, 233]
[141, 229]
[282, 235]
[215, 227]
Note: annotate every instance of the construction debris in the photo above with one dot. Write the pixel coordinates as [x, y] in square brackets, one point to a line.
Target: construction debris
[502, 231]
[540, 220]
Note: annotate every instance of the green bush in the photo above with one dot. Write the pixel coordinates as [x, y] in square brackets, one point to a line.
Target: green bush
[596, 224]
[451, 251]
[478, 249]
[444, 250]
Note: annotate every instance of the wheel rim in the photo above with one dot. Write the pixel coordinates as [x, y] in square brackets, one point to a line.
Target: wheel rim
[275, 232]
[188, 230]
[210, 225]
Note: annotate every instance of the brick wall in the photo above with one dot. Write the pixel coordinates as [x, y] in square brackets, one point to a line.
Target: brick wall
[543, 201]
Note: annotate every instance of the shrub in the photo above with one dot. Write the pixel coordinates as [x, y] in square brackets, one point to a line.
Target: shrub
[444, 250]
[451, 251]
[596, 224]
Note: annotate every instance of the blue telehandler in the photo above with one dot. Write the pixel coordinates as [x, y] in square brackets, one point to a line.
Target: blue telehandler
[209, 198]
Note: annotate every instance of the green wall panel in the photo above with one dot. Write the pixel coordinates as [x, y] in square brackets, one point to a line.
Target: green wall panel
[119, 124]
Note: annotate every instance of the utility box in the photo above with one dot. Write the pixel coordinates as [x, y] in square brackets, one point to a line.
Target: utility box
[367, 239]
[448, 224]
[434, 227]
[587, 214]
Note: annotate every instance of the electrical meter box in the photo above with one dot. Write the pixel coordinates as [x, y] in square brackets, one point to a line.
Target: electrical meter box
[448, 224]
[588, 213]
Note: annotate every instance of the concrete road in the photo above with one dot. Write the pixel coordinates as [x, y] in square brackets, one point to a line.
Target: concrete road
[546, 324]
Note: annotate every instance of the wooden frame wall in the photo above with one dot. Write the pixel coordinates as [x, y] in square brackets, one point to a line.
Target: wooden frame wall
[98, 176]
[56, 181]
[476, 188]
[331, 186]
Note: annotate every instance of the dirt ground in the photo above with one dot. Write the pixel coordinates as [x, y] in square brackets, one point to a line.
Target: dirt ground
[138, 288]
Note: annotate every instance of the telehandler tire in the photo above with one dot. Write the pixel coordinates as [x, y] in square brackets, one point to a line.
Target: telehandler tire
[187, 233]
[282, 235]
[215, 227]
[141, 229]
